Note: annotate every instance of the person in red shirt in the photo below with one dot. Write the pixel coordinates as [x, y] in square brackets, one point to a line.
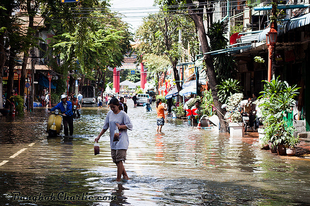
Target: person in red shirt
[75, 106]
[160, 109]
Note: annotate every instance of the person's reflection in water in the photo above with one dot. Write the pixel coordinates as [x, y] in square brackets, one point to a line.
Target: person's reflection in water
[120, 198]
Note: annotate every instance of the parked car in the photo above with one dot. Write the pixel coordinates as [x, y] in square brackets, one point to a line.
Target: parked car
[88, 93]
[142, 98]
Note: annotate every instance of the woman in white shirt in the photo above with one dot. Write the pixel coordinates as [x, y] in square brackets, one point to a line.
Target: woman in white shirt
[118, 122]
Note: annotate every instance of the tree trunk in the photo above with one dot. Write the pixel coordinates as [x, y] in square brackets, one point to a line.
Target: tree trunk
[198, 20]
[2, 63]
[11, 74]
[24, 73]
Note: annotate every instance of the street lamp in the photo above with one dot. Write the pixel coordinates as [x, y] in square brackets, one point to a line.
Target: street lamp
[271, 39]
[49, 89]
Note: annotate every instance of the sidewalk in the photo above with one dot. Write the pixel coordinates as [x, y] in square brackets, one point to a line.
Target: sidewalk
[302, 149]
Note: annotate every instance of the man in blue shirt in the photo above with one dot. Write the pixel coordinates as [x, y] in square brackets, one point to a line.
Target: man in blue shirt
[66, 109]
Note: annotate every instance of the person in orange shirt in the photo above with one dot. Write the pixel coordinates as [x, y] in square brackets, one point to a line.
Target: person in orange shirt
[160, 109]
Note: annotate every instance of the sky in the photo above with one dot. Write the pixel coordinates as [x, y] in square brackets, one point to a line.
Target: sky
[134, 10]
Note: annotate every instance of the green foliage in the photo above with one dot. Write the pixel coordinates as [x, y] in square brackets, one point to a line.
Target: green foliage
[139, 91]
[55, 98]
[159, 35]
[227, 88]
[236, 29]
[61, 86]
[224, 64]
[277, 99]
[207, 102]
[110, 84]
[156, 64]
[259, 59]
[133, 77]
[163, 99]
[19, 104]
[179, 111]
[89, 43]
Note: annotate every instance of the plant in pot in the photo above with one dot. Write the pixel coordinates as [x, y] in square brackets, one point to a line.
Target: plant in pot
[233, 114]
[291, 146]
[277, 98]
[179, 111]
[261, 129]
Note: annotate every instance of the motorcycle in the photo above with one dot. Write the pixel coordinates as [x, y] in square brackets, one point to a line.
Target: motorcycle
[76, 112]
[54, 125]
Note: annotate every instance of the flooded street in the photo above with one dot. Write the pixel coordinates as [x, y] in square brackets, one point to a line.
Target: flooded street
[181, 166]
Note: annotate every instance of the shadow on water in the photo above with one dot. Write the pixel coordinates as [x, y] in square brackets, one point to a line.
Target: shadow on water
[181, 166]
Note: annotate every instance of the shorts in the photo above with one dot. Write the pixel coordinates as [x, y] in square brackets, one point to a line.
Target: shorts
[160, 121]
[118, 155]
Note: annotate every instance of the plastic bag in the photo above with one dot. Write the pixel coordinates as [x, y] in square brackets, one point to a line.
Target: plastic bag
[96, 148]
[116, 135]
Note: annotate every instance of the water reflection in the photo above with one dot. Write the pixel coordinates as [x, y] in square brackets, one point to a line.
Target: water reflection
[119, 193]
[181, 166]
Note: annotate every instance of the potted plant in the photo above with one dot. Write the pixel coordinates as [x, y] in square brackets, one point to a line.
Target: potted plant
[277, 98]
[233, 115]
[179, 111]
[291, 146]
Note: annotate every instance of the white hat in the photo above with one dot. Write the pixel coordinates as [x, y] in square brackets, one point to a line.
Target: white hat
[63, 96]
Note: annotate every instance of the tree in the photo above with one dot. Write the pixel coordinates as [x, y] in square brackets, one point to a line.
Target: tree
[12, 41]
[159, 35]
[195, 11]
[224, 64]
[157, 65]
[98, 39]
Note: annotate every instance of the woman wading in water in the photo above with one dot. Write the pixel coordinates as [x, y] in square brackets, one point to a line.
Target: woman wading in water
[118, 122]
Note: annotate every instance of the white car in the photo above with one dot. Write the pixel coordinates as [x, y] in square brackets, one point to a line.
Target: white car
[142, 98]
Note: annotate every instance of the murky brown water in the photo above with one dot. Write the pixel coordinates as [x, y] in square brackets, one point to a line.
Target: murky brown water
[182, 166]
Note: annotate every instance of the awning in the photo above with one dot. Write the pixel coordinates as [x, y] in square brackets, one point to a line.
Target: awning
[189, 84]
[173, 92]
[283, 27]
[188, 90]
[43, 81]
[282, 6]
[128, 83]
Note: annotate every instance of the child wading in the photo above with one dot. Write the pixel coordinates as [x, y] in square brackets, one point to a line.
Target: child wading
[118, 122]
[160, 109]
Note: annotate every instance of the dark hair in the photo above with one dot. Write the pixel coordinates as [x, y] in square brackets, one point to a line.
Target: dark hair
[158, 102]
[115, 101]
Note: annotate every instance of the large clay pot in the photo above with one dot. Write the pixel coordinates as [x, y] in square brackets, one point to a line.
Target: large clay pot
[281, 150]
[273, 149]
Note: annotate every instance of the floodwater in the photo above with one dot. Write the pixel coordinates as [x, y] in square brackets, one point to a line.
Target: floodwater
[181, 166]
